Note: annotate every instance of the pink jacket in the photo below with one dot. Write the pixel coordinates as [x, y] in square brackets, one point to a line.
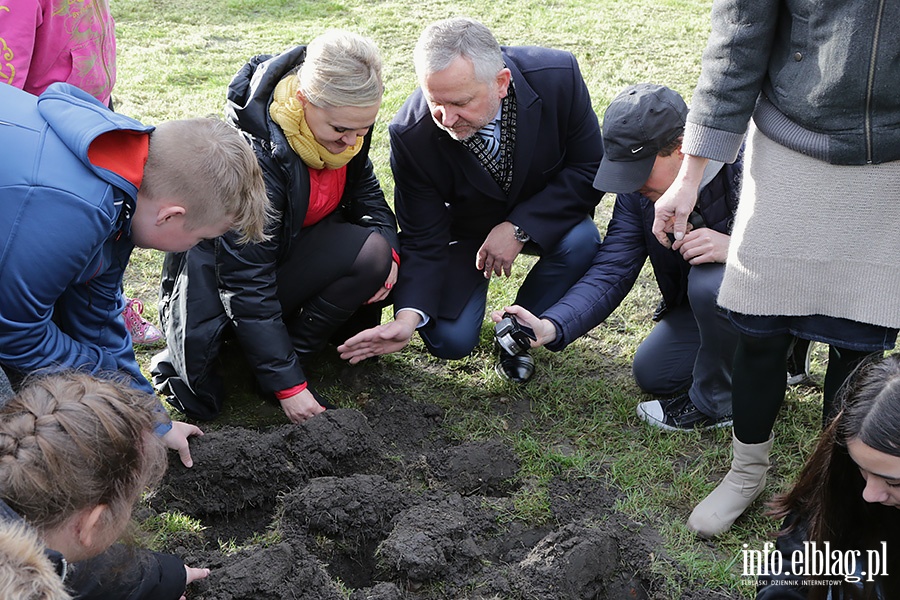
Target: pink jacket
[43, 41]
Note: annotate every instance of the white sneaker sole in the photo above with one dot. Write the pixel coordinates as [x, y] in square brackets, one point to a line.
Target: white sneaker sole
[651, 412]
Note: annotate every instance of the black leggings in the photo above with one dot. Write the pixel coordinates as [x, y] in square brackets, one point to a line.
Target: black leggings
[340, 262]
[759, 383]
[366, 275]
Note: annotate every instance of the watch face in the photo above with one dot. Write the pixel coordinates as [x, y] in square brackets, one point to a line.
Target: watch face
[520, 235]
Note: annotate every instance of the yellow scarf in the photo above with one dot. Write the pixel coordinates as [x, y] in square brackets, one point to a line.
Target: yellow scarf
[287, 111]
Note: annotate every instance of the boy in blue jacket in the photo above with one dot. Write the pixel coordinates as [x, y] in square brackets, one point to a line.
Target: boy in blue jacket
[692, 345]
[80, 187]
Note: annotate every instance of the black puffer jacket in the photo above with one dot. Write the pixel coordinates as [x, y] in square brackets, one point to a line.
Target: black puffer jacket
[220, 283]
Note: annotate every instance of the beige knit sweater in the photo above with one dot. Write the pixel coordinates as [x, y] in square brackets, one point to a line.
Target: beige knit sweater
[812, 238]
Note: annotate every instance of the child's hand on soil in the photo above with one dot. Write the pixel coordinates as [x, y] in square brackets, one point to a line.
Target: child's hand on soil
[177, 439]
[301, 407]
[192, 575]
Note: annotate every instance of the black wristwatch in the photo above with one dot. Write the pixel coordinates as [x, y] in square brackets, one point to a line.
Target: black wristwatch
[520, 234]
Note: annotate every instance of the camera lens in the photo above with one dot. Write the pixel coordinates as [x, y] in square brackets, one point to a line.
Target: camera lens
[508, 344]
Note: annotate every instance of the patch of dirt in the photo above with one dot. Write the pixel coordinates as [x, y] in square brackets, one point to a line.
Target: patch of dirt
[377, 501]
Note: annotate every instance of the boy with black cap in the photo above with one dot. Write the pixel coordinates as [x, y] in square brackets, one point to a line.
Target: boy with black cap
[693, 343]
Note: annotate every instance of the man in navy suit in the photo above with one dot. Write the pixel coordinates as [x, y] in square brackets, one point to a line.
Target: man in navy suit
[493, 155]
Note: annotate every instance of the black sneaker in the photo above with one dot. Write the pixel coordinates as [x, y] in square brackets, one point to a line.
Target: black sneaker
[678, 414]
[798, 362]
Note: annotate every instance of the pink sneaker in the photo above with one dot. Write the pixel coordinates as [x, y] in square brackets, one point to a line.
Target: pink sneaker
[141, 330]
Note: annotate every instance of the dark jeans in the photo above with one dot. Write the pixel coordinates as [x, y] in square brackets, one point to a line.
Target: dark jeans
[693, 345]
[548, 281]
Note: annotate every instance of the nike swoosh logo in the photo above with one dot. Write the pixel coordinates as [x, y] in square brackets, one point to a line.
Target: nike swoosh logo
[636, 150]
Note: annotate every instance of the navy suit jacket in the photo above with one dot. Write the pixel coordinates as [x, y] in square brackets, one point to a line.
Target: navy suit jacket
[447, 203]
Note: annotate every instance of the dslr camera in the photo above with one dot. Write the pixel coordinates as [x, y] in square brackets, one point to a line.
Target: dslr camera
[513, 337]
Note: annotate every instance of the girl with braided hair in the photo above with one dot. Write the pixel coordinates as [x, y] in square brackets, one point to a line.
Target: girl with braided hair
[76, 452]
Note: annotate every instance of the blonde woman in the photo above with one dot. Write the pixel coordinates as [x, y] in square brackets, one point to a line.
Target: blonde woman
[308, 114]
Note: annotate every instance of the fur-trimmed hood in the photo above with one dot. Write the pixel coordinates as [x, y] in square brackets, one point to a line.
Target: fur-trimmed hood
[26, 572]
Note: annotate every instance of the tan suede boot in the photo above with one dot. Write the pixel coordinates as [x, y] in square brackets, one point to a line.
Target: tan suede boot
[740, 487]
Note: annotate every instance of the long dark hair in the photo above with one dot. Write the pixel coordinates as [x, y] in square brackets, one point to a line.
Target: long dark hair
[828, 494]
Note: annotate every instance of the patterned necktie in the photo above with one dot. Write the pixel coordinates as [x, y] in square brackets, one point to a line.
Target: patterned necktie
[487, 135]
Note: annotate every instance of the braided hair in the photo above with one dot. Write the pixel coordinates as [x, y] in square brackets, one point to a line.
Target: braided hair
[69, 441]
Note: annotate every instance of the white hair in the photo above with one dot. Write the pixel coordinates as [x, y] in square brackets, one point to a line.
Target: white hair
[444, 41]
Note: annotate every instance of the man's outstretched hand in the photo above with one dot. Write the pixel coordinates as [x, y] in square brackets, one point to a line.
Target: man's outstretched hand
[383, 339]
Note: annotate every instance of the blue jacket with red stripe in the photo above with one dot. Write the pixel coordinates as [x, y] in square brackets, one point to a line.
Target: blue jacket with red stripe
[65, 230]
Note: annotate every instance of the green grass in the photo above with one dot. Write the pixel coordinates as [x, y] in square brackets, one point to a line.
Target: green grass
[165, 527]
[577, 417]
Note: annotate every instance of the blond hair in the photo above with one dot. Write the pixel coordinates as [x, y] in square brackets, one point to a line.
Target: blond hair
[25, 571]
[210, 168]
[70, 441]
[341, 69]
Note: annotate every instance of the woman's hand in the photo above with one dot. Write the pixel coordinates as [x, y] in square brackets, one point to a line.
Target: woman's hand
[301, 407]
[384, 290]
[674, 206]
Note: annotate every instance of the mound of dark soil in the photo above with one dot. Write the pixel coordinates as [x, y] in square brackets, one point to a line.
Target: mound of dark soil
[378, 502]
